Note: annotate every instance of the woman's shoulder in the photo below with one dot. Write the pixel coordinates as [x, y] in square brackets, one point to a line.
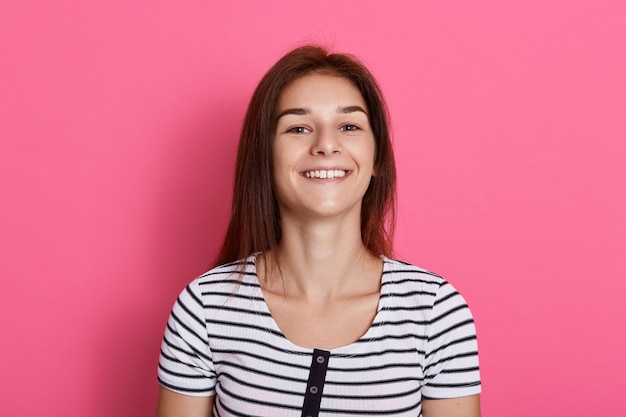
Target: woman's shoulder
[226, 279]
[405, 281]
[400, 271]
[235, 271]
[408, 278]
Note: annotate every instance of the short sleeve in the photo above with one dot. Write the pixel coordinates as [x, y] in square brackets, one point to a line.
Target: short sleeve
[185, 364]
[451, 369]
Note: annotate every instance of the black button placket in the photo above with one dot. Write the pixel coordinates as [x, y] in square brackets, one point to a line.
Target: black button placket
[315, 386]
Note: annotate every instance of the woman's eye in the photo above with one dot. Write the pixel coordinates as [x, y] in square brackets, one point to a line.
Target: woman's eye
[349, 128]
[298, 129]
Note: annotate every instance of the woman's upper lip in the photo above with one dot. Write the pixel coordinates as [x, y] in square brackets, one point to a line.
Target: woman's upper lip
[325, 169]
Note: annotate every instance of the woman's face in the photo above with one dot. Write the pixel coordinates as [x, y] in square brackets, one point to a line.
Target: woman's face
[323, 148]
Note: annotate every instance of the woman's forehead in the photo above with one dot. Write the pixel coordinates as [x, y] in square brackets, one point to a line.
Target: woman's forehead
[316, 89]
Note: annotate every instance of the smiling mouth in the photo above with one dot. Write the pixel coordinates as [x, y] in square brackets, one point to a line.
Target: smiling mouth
[325, 174]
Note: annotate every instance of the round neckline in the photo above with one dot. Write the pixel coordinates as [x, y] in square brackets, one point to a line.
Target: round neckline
[339, 350]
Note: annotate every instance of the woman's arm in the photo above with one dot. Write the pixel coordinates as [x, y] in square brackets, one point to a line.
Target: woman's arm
[452, 407]
[172, 404]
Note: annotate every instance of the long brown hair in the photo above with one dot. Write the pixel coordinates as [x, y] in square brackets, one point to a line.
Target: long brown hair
[255, 219]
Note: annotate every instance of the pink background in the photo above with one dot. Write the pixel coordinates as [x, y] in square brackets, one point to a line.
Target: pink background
[119, 122]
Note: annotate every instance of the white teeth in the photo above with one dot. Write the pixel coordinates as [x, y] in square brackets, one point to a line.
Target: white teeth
[325, 174]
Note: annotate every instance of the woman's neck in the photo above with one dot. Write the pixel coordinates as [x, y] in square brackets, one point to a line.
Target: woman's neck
[321, 260]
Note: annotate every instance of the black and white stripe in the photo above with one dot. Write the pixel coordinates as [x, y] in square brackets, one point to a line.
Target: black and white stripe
[221, 340]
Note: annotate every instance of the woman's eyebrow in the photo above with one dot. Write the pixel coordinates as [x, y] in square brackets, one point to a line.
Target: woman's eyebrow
[297, 111]
[351, 109]
[300, 111]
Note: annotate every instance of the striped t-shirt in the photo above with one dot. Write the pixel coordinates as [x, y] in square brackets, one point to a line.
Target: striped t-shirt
[222, 340]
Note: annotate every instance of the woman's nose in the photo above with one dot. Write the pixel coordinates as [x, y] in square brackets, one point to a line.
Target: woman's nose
[326, 142]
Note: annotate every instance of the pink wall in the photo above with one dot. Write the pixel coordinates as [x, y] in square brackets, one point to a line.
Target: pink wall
[118, 125]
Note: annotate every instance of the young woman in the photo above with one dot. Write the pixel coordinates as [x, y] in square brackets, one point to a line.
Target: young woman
[307, 313]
